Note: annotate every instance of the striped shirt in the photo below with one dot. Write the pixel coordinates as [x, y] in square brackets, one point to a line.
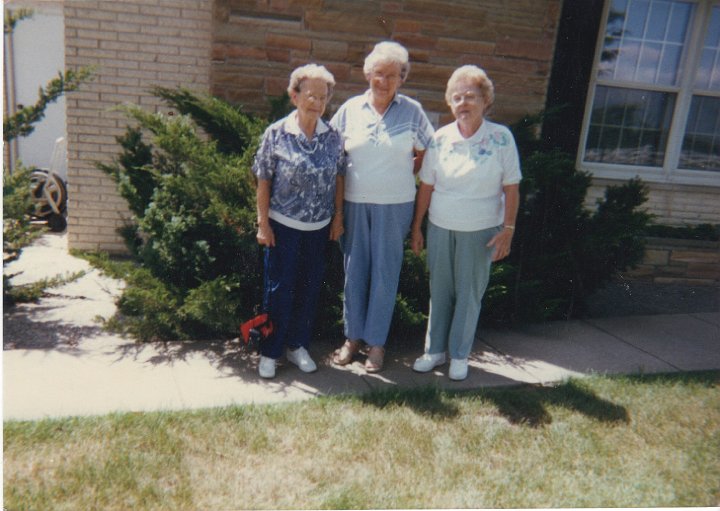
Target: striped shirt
[381, 148]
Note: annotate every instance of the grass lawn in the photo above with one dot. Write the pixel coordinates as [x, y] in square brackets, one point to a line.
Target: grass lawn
[643, 441]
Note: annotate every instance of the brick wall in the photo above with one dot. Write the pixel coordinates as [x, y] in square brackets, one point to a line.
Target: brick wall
[244, 50]
[257, 44]
[671, 261]
[672, 204]
[134, 45]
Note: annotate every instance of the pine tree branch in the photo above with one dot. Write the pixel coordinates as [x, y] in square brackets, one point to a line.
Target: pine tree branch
[20, 124]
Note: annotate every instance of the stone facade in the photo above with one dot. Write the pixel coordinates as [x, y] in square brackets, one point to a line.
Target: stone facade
[257, 44]
[132, 45]
[671, 261]
[676, 205]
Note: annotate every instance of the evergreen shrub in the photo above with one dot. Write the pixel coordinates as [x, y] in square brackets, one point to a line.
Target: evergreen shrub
[563, 252]
[192, 195]
[18, 230]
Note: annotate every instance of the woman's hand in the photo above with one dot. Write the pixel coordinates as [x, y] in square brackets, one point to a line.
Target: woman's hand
[336, 227]
[417, 241]
[501, 241]
[422, 203]
[265, 235]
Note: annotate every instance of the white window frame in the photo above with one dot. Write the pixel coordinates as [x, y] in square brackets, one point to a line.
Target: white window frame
[670, 172]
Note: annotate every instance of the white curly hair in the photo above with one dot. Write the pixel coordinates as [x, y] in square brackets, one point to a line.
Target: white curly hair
[309, 71]
[476, 76]
[388, 51]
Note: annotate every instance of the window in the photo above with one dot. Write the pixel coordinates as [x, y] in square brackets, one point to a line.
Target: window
[654, 103]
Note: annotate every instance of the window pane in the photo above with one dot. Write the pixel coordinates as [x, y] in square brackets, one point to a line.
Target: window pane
[647, 69]
[678, 22]
[629, 127]
[701, 145]
[670, 62]
[636, 18]
[708, 75]
[658, 21]
[644, 40]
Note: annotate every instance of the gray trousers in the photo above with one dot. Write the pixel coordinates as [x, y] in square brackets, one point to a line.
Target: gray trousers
[459, 264]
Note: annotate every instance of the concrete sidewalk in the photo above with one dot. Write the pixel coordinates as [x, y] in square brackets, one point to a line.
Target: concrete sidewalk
[58, 362]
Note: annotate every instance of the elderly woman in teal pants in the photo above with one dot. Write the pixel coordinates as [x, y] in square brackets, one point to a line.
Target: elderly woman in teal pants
[470, 184]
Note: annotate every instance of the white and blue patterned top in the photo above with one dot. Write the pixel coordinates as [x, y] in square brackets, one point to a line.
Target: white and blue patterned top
[468, 176]
[381, 148]
[303, 172]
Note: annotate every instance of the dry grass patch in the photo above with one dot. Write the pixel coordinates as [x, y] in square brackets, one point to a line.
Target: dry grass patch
[598, 442]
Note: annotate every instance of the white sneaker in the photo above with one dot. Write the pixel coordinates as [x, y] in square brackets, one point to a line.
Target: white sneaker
[428, 362]
[301, 358]
[266, 368]
[458, 369]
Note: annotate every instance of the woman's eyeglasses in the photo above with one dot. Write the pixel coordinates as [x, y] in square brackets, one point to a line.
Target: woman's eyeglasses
[468, 97]
[315, 99]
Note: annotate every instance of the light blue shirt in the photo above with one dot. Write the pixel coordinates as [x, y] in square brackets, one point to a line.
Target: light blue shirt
[381, 148]
[303, 172]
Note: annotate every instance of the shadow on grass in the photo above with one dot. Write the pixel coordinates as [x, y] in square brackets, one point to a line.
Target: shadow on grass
[427, 401]
[527, 405]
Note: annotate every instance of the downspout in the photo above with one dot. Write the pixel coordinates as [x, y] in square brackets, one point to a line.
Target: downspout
[10, 87]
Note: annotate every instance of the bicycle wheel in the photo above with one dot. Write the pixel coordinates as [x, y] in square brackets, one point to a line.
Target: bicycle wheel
[49, 193]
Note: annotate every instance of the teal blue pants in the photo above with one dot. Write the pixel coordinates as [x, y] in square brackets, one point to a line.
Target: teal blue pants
[459, 264]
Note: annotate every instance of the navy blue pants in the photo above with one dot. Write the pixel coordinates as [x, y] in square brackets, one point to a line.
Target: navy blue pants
[294, 270]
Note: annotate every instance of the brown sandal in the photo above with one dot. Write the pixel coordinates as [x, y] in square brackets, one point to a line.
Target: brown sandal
[347, 351]
[374, 362]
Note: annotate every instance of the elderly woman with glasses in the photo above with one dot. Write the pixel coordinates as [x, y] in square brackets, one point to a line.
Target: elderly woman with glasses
[385, 134]
[300, 166]
[470, 183]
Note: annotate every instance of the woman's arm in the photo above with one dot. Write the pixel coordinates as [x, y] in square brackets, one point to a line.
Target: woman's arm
[422, 203]
[502, 240]
[265, 234]
[417, 161]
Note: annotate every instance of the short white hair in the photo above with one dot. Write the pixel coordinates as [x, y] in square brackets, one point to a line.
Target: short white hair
[388, 51]
[477, 77]
[309, 71]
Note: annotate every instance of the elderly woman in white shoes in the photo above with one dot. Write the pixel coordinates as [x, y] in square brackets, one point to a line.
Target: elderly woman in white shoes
[469, 184]
[300, 166]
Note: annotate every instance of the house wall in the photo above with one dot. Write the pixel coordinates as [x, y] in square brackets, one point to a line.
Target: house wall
[676, 205]
[244, 50]
[257, 45]
[133, 44]
[671, 261]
